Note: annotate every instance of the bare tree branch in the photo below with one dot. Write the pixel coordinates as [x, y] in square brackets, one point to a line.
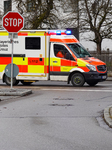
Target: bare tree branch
[96, 16]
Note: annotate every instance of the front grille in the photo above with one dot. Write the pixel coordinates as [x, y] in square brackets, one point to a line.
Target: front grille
[101, 68]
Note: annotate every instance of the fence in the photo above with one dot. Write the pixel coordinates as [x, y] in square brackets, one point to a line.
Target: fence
[106, 57]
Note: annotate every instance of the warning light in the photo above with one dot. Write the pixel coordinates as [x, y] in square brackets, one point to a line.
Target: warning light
[68, 32]
[58, 32]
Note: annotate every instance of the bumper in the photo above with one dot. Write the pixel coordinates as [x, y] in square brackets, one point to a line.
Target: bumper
[95, 76]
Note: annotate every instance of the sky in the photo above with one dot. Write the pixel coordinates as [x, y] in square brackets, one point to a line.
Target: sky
[106, 44]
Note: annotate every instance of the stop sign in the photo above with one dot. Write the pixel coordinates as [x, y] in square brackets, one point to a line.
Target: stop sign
[13, 22]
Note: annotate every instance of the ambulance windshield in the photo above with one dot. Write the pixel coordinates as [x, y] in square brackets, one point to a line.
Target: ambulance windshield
[78, 50]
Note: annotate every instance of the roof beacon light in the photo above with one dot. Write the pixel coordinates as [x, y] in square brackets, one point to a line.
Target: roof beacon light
[58, 32]
[68, 32]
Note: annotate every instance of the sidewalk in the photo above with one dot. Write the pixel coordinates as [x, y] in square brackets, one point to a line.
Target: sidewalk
[108, 115]
[14, 92]
[108, 111]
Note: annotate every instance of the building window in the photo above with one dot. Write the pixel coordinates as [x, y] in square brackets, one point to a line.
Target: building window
[7, 6]
[30, 5]
[32, 43]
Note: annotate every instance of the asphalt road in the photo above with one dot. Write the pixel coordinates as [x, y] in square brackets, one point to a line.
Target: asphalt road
[56, 116]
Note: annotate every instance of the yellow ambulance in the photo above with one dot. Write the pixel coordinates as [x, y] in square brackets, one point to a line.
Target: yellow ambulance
[49, 55]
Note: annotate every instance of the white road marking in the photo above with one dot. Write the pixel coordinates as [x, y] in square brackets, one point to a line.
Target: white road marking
[78, 90]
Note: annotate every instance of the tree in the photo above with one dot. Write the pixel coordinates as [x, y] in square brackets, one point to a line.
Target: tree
[37, 13]
[93, 17]
[67, 13]
[46, 13]
[96, 17]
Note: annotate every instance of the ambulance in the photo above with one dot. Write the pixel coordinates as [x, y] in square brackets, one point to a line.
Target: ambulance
[54, 55]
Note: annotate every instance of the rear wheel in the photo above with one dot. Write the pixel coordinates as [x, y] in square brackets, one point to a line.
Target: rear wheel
[77, 79]
[8, 80]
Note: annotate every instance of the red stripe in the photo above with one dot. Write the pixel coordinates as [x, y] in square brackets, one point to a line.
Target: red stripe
[46, 69]
[85, 69]
[5, 60]
[74, 63]
[54, 33]
[55, 68]
[64, 40]
[22, 34]
[65, 62]
[35, 61]
[23, 68]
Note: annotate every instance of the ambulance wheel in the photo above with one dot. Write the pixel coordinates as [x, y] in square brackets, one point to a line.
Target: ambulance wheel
[26, 83]
[8, 81]
[92, 83]
[77, 80]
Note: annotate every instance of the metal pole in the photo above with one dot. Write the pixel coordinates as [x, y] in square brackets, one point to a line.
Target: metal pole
[12, 62]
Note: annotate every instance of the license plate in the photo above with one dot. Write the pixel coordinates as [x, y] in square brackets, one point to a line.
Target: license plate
[104, 77]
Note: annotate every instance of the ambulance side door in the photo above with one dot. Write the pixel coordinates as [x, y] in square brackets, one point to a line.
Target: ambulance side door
[61, 61]
[35, 53]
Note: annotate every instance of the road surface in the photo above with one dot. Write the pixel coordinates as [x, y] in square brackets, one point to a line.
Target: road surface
[56, 116]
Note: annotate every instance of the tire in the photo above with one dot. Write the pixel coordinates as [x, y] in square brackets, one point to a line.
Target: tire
[92, 83]
[8, 80]
[26, 83]
[77, 80]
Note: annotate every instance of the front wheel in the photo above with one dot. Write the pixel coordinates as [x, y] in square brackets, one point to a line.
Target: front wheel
[8, 81]
[77, 80]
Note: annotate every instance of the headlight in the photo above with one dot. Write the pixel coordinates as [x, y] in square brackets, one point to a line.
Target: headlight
[91, 67]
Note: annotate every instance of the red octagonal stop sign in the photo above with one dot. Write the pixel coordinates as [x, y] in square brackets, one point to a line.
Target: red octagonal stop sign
[13, 22]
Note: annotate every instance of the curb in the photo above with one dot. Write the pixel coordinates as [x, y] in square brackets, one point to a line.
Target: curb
[107, 116]
[15, 92]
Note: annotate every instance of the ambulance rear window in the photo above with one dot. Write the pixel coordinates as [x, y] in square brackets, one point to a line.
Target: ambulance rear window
[32, 43]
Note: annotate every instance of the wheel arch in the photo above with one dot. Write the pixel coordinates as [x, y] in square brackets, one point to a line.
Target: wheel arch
[4, 80]
[73, 72]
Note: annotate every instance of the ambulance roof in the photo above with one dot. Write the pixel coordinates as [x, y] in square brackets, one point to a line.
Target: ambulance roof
[63, 39]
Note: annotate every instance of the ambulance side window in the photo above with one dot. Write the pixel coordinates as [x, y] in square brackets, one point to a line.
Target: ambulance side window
[61, 52]
[33, 43]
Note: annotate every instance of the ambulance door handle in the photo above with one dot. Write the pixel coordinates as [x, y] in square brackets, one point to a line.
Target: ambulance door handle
[55, 61]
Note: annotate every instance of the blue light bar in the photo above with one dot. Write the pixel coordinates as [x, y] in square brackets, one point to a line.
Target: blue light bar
[58, 32]
[68, 32]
